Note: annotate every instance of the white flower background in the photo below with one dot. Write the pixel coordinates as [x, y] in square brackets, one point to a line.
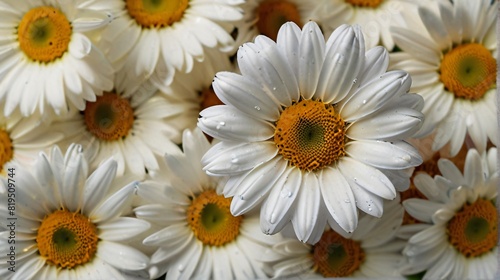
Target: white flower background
[248, 139]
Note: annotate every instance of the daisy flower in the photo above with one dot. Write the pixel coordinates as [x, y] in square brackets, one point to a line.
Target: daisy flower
[265, 17]
[453, 66]
[374, 17]
[45, 58]
[155, 39]
[461, 233]
[21, 139]
[314, 131]
[371, 251]
[68, 224]
[199, 238]
[134, 133]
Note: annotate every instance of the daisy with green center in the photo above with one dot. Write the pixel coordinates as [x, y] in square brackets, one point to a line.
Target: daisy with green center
[154, 39]
[21, 139]
[46, 60]
[371, 251]
[374, 17]
[460, 238]
[198, 237]
[69, 223]
[133, 131]
[313, 131]
[453, 66]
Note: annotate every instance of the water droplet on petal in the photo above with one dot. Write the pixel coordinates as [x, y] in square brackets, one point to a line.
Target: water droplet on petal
[257, 108]
[364, 101]
[180, 268]
[347, 201]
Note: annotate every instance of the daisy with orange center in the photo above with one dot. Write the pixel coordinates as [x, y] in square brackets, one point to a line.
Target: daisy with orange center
[311, 132]
[454, 68]
[372, 251]
[47, 61]
[70, 224]
[154, 40]
[197, 235]
[459, 240]
[135, 131]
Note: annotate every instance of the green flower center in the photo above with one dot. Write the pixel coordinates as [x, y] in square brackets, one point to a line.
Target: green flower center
[67, 239]
[272, 14]
[44, 34]
[336, 256]
[211, 221]
[110, 117]
[473, 230]
[468, 71]
[310, 135]
[156, 13]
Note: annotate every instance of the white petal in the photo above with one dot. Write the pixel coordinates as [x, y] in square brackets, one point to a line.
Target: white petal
[339, 199]
[74, 182]
[473, 171]
[288, 44]
[122, 229]
[90, 19]
[344, 56]
[311, 57]
[375, 64]
[421, 209]
[307, 207]
[277, 209]
[245, 95]
[228, 123]
[121, 256]
[223, 159]
[373, 96]
[184, 266]
[416, 44]
[256, 185]
[97, 185]
[114, 205]
[397, 155]
[80, 46]
[395, 124]
[435, 27]
[29, 268]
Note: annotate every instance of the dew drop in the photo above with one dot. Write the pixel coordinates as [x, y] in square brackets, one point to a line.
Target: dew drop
[234, 160]
[347, 201]
[354, 81]
[274, 88]
[364, 101]
[406, 158]
[180, 268]
[257, 108]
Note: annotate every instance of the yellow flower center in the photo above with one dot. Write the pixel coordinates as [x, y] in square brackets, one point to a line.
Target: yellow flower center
[44, 34]
[272, 14]
[67, 239]
[468, 71]
[211, 221]
[156, 13]
[6, 149]
[336, 256]
[310, 135]
[110, 117]
[473, 230]
[364, 3]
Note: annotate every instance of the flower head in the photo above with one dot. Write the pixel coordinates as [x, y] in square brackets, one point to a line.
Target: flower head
[312, 130]
[70, 224]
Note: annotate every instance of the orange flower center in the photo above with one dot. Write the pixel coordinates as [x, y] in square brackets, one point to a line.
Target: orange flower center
[364, 3]
[156, 13]
[272, 14]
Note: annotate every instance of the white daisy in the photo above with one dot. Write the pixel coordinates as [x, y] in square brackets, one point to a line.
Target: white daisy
[134, 133]
[67, 223]
[199, 238]
[374, 17]
[371, 251]
[452, 62]
[155, 39]
[461, 233]
[45, 58]
[265, 17]
[304, 117]
[21, 139]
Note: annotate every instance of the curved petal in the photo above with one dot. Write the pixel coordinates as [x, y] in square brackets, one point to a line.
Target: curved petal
[307, 207]
[114, 205]
[225, 158]
[311, 58]
[421, 209]
[121, 256]
[97, 185]
[228, 123]
[122, 229]
[245, 95]
[277, 209]
[381, 154]
[339, 199]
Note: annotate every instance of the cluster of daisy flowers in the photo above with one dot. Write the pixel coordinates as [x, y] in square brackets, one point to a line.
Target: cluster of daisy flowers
[233, 139]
